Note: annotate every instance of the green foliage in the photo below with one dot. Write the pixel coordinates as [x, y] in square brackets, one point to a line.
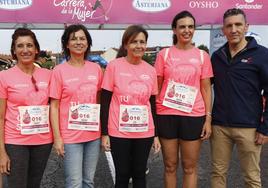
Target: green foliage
[45, 60]
[48, 64]
[149, 58]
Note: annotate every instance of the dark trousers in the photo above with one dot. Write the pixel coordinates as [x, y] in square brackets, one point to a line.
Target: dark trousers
[27, 164]
[130, 159]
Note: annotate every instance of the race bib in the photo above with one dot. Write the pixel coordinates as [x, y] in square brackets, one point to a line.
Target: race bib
[133, 118]
[34, 119]
[180, 97]
[84, 117]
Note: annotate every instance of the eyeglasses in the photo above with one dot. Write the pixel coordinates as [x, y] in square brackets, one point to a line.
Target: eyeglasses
[34, 83]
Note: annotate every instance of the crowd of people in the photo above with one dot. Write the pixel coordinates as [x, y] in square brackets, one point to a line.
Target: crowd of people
[133, 107]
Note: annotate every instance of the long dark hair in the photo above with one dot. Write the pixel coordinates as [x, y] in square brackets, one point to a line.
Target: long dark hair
[179, 16]
[130, 33]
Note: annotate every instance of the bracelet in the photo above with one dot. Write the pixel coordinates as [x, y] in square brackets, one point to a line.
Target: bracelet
[209, 114]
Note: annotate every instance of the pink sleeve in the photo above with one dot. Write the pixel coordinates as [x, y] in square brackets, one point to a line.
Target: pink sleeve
[108, 79]
[55, 84]
[159, 63]
[207, 67]
[3, 87]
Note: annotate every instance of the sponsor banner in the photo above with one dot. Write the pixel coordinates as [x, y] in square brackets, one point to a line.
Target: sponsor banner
[217, 39]
[126, 11]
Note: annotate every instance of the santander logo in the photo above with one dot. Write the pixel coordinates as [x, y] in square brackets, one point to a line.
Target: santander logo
[151, 5]
[15, 5]
[249, 4]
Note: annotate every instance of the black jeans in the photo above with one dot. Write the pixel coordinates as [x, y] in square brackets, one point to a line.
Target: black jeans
[27, 164]
[130, 159]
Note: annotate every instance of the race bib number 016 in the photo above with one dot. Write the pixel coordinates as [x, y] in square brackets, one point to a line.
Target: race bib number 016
[84, 117]
[133, 118]
[180, 97]
[34, 119]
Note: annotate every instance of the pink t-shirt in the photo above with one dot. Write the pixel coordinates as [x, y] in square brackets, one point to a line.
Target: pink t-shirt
[131, 85]
[18, 90]
[185, 67]
[72, 85]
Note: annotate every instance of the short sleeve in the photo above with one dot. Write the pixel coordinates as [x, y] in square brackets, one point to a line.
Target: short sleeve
[56, 84]
[159, 63]
[3, 86]
[206, 71]
[108, 79]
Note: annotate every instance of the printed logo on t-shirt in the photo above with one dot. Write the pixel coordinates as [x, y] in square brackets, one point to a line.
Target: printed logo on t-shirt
[175, 59]
[91, 77]
[193, 60]
[85, 93]
[183, 73]
[125, 74]
[42, 84]
[139, 92]
[72, 80]
[145, 77]
[21, 85]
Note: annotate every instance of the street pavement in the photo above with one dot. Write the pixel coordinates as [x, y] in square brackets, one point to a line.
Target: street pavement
[54, 178]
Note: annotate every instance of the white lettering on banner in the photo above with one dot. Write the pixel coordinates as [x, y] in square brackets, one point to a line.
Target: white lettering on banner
[151, 5]
[248, 6]
[203, 4]
[79, 9]
[249, 1]
[15, 4]
[82, 14]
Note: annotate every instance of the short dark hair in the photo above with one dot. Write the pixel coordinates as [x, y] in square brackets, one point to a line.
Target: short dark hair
[66, 36]
[22, 32]
[234, 12]
[130, 33]
[180, 15]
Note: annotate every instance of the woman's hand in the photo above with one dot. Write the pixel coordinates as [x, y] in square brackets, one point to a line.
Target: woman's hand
[4, 163]
[59, 146]
[206, 131]
[105, 143]
[156, 145]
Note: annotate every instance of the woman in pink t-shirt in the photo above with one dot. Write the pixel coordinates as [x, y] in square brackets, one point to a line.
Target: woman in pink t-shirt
[25, 135]
[75, 111]
[184, 101]
[127, 108]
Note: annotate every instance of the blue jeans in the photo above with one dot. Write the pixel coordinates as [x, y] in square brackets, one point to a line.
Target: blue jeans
[80, 163]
